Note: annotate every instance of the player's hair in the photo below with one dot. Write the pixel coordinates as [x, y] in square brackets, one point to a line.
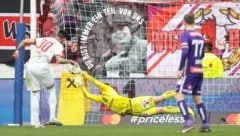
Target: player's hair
[189, 18]
[62, 34]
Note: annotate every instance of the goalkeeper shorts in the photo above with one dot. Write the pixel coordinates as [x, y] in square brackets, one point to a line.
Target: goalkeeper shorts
[143, 106]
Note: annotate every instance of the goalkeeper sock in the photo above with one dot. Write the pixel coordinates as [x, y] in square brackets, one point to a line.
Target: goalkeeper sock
[191, 112]
[176, 110]
[202, 112]
[171, 110]
[35, 100]
[52, 101]
[169, 94]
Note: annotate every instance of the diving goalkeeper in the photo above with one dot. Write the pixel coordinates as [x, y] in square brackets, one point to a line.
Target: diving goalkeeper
[138, 106]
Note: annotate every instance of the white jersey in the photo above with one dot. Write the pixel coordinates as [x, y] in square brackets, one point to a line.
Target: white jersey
[45, 49]
[38, 72]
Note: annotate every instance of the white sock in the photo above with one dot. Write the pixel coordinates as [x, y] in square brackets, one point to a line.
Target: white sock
[52, 101]
[35, 100]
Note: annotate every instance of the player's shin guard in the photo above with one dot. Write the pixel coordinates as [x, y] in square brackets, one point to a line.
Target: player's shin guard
[184, 109]
[203, 114]
[52, 101]
[169, 94]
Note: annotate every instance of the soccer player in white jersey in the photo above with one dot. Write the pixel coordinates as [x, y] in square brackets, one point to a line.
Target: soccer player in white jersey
[39, 73]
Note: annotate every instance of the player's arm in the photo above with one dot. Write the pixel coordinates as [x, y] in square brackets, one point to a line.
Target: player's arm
[183, 57]
[60, 59]
[182, 62]
[184, 48]
[93, 97]
[21, 45]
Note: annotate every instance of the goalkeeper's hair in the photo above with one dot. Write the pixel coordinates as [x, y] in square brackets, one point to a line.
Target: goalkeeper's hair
[62, 34]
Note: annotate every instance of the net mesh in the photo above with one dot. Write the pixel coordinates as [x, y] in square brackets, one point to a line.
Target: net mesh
[155, 27]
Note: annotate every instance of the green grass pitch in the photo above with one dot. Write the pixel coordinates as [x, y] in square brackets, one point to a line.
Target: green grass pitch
[116, 130]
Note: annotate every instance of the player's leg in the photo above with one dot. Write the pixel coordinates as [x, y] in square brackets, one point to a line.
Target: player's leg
[164, 96]
[86, 93]
[163, 110]
[182, 90]
[35, 108]
[172, 110]
[52, 102]
[33, 85]
[169, 94]
[197, 98]
[202, 112]
[46, 79]
[167, 110]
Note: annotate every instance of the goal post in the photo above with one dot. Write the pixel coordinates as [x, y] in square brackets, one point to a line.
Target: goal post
[19, 66]
[155, 28]
[33, 33]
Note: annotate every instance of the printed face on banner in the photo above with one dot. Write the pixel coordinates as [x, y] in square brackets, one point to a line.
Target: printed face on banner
[113, 42]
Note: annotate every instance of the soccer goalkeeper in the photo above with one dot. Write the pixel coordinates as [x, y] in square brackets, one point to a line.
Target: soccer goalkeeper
[138, 106]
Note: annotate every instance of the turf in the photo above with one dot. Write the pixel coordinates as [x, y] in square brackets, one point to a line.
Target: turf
[116, 130]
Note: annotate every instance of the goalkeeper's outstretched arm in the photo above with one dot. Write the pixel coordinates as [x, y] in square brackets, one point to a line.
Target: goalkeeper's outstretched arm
[98, 83]
[93, 97]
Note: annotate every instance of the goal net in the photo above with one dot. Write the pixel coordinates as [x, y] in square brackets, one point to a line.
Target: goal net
[148, 66]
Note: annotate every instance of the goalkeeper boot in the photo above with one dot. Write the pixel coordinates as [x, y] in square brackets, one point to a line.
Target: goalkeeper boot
[187, 127]
[169, 94]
